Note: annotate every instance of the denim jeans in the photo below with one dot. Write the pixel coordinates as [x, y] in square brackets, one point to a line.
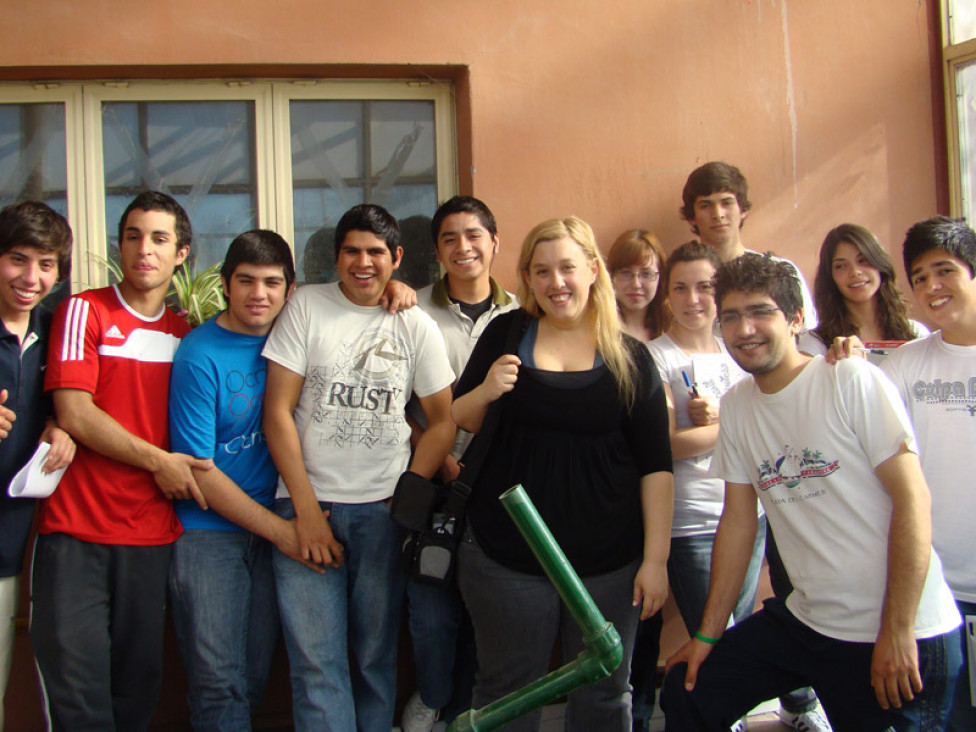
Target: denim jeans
[517, 617]
[434, 615]
[963, 717]
[689, 571]
[350, 611]
[772, 652]
[225, 613]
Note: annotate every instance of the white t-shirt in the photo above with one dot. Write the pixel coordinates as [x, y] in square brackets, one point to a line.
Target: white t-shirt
[361, 365]
[810, 451]
[460, 335]
[937, 381]
[698, 499]
[810, 342]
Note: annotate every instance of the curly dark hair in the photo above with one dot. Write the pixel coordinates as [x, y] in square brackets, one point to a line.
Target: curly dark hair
[763, 273]
[835, 319]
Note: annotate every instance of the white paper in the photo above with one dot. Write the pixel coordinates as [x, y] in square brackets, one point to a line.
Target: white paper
[30, 482]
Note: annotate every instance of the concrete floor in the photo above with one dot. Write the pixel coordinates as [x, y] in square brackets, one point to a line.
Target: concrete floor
[762, 719]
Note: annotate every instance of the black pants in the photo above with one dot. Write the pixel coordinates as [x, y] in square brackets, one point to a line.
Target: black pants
[97, 615]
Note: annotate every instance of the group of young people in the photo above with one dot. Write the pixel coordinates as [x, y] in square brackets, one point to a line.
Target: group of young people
[808, 446]
[248, 465]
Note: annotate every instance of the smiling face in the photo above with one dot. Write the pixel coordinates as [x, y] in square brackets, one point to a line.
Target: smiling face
[149, 251]
[365, 264]
[856, 279]
[635, 286]
[560, 276]
[691, 294]
[465, 247]
[758, 335]
[27, 275]
[718, 219]
[944, 290]
[255, 295]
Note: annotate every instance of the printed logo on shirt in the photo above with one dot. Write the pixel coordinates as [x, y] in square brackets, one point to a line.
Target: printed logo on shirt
[359, 399]
[952, 396]
[114, 332]
[245, 396]
[377, 356]
[792, 468]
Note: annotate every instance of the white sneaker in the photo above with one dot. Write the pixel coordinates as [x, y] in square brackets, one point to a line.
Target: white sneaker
[812, 721]
[417, 716]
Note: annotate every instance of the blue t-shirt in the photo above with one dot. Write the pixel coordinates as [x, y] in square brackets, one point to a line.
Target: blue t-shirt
[216, 395]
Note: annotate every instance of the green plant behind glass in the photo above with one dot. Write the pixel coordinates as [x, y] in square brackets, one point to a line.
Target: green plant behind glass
[200, 295]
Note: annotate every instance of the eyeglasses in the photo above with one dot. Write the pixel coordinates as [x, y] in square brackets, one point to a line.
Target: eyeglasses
[760, 314]
[644, 275]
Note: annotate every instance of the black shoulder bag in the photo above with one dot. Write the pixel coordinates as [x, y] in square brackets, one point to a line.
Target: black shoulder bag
[434, 514]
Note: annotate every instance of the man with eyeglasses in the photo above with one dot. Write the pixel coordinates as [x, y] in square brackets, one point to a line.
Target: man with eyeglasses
[715, 203]
[830, 453]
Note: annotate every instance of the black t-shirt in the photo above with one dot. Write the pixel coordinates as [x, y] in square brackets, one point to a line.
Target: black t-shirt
[578, 452]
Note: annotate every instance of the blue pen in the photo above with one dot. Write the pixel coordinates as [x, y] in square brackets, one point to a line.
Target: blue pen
[692, 389]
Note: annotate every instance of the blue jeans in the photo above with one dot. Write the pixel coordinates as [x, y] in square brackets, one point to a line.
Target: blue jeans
[689, 571]
[772, 652]
[226, 617]
[350, 611]
[434, 615]
[963, 717]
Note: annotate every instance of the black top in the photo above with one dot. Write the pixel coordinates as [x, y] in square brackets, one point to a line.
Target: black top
[22, 375]
[578, 452]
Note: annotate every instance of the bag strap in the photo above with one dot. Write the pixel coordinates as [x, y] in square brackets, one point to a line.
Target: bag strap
[474, 457]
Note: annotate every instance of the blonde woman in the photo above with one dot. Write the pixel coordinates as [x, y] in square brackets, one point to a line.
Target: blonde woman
[584, 428]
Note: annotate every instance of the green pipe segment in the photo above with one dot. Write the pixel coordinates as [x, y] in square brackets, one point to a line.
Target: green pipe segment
[602, 650]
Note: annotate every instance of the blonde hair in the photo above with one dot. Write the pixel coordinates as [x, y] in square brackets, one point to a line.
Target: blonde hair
[632, 249]
[601, 305]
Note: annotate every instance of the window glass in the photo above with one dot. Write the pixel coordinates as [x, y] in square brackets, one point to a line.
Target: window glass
[962, 20]
[966, 112]
[33, 157]
[33, 163]
[283, 154]
[201, 153]
[350, 152]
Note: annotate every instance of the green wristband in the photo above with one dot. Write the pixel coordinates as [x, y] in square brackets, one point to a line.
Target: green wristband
[706, 639]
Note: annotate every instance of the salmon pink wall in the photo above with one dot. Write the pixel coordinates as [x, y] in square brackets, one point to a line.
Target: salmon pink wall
[598, 109]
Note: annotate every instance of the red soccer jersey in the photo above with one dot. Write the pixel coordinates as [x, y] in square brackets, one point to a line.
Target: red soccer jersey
[100, 345]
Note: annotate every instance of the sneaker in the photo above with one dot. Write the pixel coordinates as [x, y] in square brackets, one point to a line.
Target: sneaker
[739, 726]
[417, 716]
[810, 721]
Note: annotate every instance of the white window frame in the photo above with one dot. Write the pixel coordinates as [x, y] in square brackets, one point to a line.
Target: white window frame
[273, 170]
[955, 57]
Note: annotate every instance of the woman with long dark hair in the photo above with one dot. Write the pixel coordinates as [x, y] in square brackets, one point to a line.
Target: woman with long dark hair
[855, 293]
